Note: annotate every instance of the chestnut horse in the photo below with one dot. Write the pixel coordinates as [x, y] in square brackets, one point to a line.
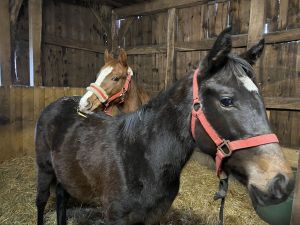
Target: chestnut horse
[114, 91]
[131, 163]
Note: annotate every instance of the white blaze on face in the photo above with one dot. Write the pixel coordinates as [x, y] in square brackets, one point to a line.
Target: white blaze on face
[101, 77]
[129, 71]
[248, 83]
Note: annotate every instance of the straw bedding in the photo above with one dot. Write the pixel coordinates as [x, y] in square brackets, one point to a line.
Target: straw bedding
[193, 206]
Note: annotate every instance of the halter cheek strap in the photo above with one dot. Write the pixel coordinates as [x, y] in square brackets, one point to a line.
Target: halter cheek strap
[224, 147]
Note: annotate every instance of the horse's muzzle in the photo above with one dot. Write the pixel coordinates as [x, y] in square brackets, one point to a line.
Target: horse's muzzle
[279, 188]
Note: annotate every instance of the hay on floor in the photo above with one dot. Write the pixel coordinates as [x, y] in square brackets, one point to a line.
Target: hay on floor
[193, 206]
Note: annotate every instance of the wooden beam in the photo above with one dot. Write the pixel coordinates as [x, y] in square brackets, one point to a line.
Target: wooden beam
[206, 44]
[146, 49]
[170, 67]
[14, 11]
[5, 44]
[295, 219]
[283, 11]
[282, 103]
[238, 41]
[256, 23]
[35, 40]
[283, 36]
[100, 21]
[154, 7]
[74, 44]
[114, 37]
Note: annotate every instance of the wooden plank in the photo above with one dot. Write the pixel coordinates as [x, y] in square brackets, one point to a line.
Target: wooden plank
[28, 119]
[74, 44]
[239, 13]
[206, 44]
[16, 138]
[14, 11]
[39, 101]
[148, 49]
[295, 219]
[154, 7]
[114, 37]
[283, 103]
[283, 36]
[5, 134]
[283, 11]
[170, 69]
[256, 24]
[5, 44]
[35, 40]
[293, 14]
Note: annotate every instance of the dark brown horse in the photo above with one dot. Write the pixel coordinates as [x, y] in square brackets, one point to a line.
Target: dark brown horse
[131, 163]
[111, 81]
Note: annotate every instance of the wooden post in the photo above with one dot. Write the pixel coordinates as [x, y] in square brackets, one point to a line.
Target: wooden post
[295, 220]
[114, 39]
[170, 77]
[5, 44]
[35, 40]
[256, 23]
[14, 12]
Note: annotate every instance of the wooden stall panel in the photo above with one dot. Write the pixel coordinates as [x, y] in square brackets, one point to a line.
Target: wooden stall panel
[282, 15]
[70, 67]
[149, 71]
[192, 23]
[187, 61]
[218, 17]
[240, 15]
[144, 30]
[75, 22]
[5, 150]
[280, 77]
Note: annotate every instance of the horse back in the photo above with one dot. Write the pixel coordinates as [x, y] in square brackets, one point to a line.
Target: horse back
[68, 144]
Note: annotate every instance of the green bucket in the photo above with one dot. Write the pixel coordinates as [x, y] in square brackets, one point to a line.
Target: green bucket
[279, 214]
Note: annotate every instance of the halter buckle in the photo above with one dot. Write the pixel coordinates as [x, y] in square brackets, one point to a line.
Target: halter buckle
[224, 148]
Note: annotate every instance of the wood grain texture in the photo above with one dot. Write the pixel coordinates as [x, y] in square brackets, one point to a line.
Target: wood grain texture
[5, 48]
[35, 41]
[170, 66]
[256, 22]
[154, 7]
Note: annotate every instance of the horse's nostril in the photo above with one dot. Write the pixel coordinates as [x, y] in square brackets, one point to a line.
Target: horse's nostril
[281, 186]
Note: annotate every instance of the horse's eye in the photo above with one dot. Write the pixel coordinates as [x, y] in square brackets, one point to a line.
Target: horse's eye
[226, 102]
[115, 78]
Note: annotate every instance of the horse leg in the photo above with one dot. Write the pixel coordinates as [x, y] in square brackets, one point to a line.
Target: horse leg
[43, 191]
[61, 203]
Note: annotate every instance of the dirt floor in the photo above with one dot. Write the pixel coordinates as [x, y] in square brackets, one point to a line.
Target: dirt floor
[194, 204]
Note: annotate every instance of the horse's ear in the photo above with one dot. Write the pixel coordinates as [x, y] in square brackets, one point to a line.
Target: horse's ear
[107, 56]
[123, 57]
[254, 53]
[218, 55]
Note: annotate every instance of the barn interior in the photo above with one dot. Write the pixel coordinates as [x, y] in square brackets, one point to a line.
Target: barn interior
[55, 48]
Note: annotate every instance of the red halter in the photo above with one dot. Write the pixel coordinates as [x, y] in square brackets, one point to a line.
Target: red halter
[224, 147]
[103, 97]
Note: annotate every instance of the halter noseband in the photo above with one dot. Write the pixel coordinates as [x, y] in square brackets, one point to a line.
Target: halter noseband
[103, 97]
[224, 147]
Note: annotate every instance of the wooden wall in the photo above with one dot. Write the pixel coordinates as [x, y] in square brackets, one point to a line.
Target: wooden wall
[73, 41]
[20, 108]
[144, 31]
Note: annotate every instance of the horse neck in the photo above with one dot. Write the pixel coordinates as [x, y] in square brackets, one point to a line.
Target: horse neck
[135, 98]
[169, 116]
